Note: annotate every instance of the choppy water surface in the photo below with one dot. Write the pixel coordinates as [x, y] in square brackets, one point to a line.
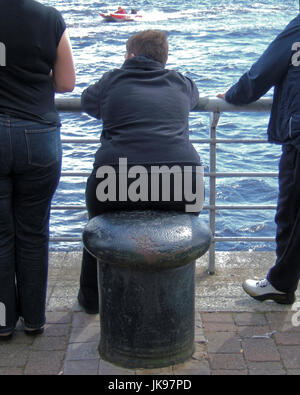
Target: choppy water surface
[211, 41]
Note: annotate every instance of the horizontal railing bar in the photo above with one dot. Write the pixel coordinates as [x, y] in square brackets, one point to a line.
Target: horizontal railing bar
[216, 239]
[193, 141]
[75, 174]
[222, 175]
[72, 104]
[229, 141]
[72, 207]
[80, 141]
[205, 104]
[66, 239]
[237, 207]
[239, 175]
[247, 239]
[224, 207]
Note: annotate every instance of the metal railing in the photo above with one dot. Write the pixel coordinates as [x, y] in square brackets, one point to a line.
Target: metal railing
[215, 107]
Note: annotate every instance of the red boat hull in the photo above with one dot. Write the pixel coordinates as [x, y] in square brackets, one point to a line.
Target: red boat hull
[120, 17]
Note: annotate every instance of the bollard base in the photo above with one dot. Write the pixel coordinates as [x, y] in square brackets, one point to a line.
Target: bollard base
[146, 362]
[146, 317]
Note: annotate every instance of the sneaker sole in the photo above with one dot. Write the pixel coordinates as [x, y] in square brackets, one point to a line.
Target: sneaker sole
[278, 298]
[6, 337]
[34, 332]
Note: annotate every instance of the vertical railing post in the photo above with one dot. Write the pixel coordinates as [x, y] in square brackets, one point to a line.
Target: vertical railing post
[214, 119]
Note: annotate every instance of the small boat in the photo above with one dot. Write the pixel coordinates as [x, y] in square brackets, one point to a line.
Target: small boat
[120, 17]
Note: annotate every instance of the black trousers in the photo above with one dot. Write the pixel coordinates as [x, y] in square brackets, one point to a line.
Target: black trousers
[88, 292]
[285, 275]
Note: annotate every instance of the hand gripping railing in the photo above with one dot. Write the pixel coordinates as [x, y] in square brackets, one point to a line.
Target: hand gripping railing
[215, 107]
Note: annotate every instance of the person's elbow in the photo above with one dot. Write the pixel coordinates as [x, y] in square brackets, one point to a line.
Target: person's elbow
[65, 86]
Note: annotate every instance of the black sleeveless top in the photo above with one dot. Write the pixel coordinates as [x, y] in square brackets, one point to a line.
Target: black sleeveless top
[29, 35]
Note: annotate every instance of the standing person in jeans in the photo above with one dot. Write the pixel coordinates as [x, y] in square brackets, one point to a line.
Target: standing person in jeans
[36, 62]
[279, 67]
[144, 109]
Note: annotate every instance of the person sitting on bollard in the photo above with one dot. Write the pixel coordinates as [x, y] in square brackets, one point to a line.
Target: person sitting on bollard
[146, 160]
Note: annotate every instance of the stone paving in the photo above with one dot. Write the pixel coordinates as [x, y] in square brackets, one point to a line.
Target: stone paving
[234, 335]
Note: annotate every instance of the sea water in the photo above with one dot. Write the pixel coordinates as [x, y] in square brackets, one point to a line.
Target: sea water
[213, 42]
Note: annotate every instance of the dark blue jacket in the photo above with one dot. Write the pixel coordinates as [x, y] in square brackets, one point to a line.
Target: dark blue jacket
[279, 66]
[145, 113]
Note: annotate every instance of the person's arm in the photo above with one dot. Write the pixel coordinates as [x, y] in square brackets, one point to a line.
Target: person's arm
[194, 93]
[63, 73]
[90, 100]
[268, 71]
[91, 97]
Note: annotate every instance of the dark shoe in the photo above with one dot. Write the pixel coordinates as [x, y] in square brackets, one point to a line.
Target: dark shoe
[33, 332]
[87, 309]
[6, 336]
[263, 290]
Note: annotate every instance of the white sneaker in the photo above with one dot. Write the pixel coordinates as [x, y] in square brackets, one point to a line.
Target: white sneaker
[264, 290]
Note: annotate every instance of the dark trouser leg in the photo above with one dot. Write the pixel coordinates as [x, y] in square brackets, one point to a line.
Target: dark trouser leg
[88, 291]
[36, 175]
[32, 212]
[8, 297]
[285, 275]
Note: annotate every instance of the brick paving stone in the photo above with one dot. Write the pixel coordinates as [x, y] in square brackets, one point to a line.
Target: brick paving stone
[56, 330]
[284, 327]
[217, 317]
[287, 338]
[44, 363]
[168, 371]
[82, 351]
[279, 316]
[59, 317]
[81, 319]
[283, 321]
[90, 333]
[11, 371]
[249, 319]
[21, 338]
[13, 355]
[229, 372]
[227, 362]
[219, 327]
[87, 367]
[293, 372]
[266, 368]
[192, 367]
[250, 331]
[290, 356]
[48, 343]
[223, 342]
[260, 350]
[106, 368]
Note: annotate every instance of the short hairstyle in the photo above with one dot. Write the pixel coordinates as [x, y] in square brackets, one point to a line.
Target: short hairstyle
[151, 43]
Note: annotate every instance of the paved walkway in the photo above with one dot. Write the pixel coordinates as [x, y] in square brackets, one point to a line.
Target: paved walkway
[234, 334]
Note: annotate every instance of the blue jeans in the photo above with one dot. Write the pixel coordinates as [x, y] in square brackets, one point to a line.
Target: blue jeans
[30, 164]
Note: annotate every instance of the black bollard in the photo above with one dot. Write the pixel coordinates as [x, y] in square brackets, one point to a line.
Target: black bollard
[146, 268]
